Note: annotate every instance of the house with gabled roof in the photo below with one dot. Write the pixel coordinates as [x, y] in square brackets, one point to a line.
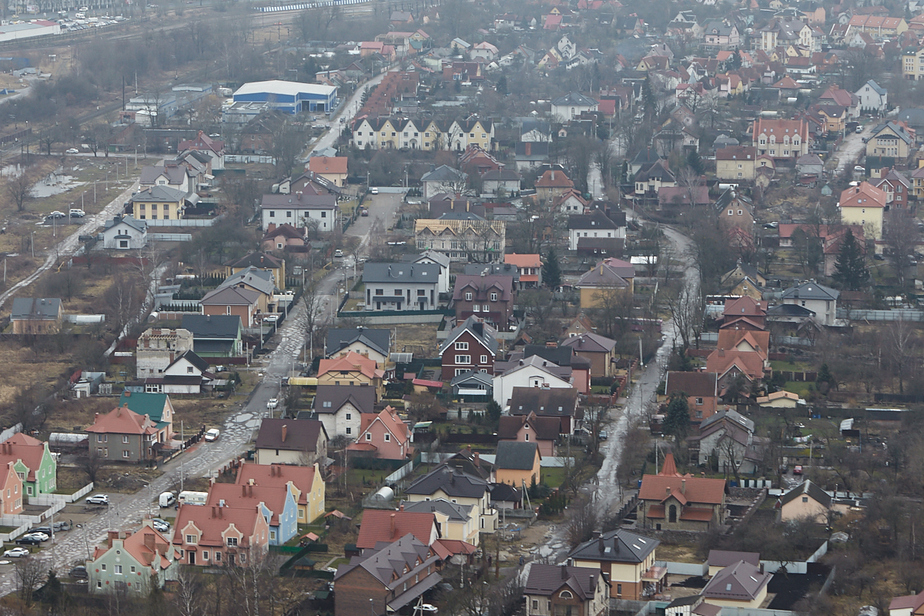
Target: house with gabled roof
[340, 408]
[11, 490]
[517, 463]
[159, 203]
[291, 441]
[602, 279]
[744, 312]
[388, 526]
[806, 501]
[742, 585]
[563, 589]
[908, 605]
[372, 343]
[728, 438]
[552, 184]
[35, 315]
[815, 297]
[560, 403]
[719, 559]
[533, 371]
[215, 335]
[220, 536]
[531, 428]
[470, 345]
[700, 388]
[232, 301]
[262, 262]
[729, 365]
[351, 369]
[276, 502]
[157, 406]
[305, 482]
[652, 178]
[456, 486]
[122, 434]
[384, 436]
[627, 559]
[124, 233]
[670, 500]
[490, 298]
[455, 522]
[571, 105]
[32, 462]
[594, 225]
[599, 350]
[187, 374]
[890, 139]
[135, 564]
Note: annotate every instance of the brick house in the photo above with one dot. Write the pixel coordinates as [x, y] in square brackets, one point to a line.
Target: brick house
[700, 388]
[384, 436]
[471, 345]
[490, 297]
[671, 501]
[35, 315]
[219, 536]
[233, 301]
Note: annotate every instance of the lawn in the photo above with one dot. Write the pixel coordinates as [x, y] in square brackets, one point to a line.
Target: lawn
[791, 366]
[798, 387]
[553, 477]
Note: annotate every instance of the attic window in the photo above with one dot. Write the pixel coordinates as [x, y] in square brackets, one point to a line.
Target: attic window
[728, 586]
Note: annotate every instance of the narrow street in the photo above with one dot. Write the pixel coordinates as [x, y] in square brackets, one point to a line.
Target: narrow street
[851, 149]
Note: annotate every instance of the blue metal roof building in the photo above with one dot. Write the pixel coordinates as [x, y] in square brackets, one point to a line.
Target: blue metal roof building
[289, 96]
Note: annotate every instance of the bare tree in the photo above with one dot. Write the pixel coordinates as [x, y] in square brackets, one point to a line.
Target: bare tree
[19, 188]
[687, 309]
[187, 598]
[901, 344]
[92, 464]
[582, 519]
[901, 237]
[30, 573]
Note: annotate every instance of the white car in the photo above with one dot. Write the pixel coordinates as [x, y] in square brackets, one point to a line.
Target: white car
[16, 553]
[270, 318]
[212, 435]
[72, 151]
[98, 499]
[272, 403]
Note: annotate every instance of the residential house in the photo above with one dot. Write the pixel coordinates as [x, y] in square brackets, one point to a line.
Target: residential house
[741, 585]
[896, 186]
[558, 402]
[284, 237]
[305, 482]
[32, 462]
[171, 175]
[122, 434]
[340, 408]
[571, 203]
[463, 238]
[517, 463]
[36, 315]
[806, 501]
[157, 406]
[11, 491]
[351, 369]
[649, 180]
[530, 267]
[215, 336]
[439, 258]
[187, 374]
[472, 386]
[740, 162]
[331, 168]
[267, 266]
[593, 226]
[913, 63]
[501, 182]
[719, 35]
[387, 578]
[301, 210]
[728, 438]
[491, 298]
[531, 154]
[243, 303]
[469, 346]
[124, 233]
[669, 500]
[552, 185]
[531, 428]
[443, 179]
[454, 522]
[810, 165]
[220, 536]
[700, 388]
[719, 559]
[730, 365]
[276, 502]
[136, 564]
[532, 371]
[781, 139]
[890, 140]
[301, 442]
[599, 350]
[627, 560]
[262, 281]
[744, 312]
[611, 275]
[388, 526]
[157, 348]
[213, 148]
[878, 26]
[818, 298]
[779, 400]
[158, 203]
[560, 589]
[371, 343]
[401, 286]
[740, 272]
[384, 436]
[571, 106]
[909, 605]
[458, 487]
[873, 98]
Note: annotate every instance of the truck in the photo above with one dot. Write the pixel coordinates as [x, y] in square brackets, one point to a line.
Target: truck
[192, 498]
[166, 499]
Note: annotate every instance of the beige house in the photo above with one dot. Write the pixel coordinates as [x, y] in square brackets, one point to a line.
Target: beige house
[806, 501]
[478, 240]
[455, 522]
[552, 590]
[913, 64]
[331, 168]
[890, 140]
[863, 205]
[448, 483]
[742, 585]
[158, 203]
[291, 441]
[627, 559]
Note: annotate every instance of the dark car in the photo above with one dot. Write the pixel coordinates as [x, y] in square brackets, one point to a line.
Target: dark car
[79, 573]
[41, 529]
[29, 540]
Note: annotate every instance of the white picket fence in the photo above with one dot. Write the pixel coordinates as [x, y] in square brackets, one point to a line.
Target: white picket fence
[5, 537]
[51, 499]
[19, 520]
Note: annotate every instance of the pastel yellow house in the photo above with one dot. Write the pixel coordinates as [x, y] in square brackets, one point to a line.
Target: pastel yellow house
[890, 140]
[455, 521]
[517, 463]
[741, 584]
[158, 203]
[628, 559]
[607, 276]
[863, 205]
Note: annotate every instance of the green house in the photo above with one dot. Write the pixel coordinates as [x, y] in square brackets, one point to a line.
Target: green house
[156, 406]
[33, 462]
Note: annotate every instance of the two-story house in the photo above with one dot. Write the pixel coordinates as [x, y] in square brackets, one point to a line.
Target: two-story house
[158, 203]
[277, 504]
[533, 371]
[599, 350]
[220, 536]
[158, 348]
[561, 589]
[606, 277]
[215, 336]
[590, 228]
[873, 98]
[890, 140]
[383, 435]
[530, 428]
[530, 266]
[570, 106]
[331, 168]
[291, 441]
[458, 487]
[340, 408]
[896, 186]
[864, 205]
[627, 560]
[122, 434]
[135, 564]
[305, 482]
[462, 237]
[32, 462]
[471, 345]
[700, 388]
[670, 500]
[171, 175]
[560, 403]
[36, 315]
[157, 406]
[371, 343]
[351, 369]
[11, 491]
[124, 233]
[387, 526]
[232, 301]
[401, 286]
[781, 139]
[517, 463]
[490, 298]
[818, 298]
[300, 210]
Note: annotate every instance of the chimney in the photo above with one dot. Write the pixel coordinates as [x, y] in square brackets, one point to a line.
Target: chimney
[683, 486]
[149, 541]
[250, 490]
[402, 507]
[477, 459]
[668, 490]
[110, 536]
[392, 525]
[244, 490]
[221, 512]
[564, 572]
[285, 428]
[214, 512]
[760, 567]
[600, 544]
[591, 582]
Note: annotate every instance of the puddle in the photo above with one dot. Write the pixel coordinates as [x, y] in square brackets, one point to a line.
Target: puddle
[53, 184]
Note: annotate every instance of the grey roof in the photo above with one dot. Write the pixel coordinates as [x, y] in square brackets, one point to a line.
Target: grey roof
[575, 99]
[194, 359]
[589, 343]
[261, 280]
[556, 401]
[913, 116]
[531, 151]
[503, 492]
[897, 129]
[730, 195]
[401, 272]
[735, 416]
[790, 310]
[485, 334]
[531, 124]
[492, 269]
[376, 339]
[138, 225]
[290, 434]
[646, 156]
[546, 580]
[876, 88]
[595, 220]
[515, 455]
[331, 398]
[714, 26]
[35, 308]
[811, 290]
[454, 511]
[724, 558]
[159, 193]
[740, 581]
[616, 546]
[810, 489]
[300, 201]
[451, 481]
[176, 174]
[483, 378]
[444, 173]
[219, 326]
[438, 257]
[230, 296]
[391, 563]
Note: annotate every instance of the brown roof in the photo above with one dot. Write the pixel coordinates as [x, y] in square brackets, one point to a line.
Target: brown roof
[864, 195]
[212, 521]
[554, 178]
[274, 497]
[389, 526]
[122, 420]
[546, 428]
[696, 384]
[290, 434]
[328, 164]
[687, 489]
[731, 338]
[302, 477]
[745, 307]
[351, 362]
[748, 362]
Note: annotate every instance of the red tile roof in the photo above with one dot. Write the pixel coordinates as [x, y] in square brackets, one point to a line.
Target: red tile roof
[864, 195]
[122, 420]
[389, 526]
[351, 362]
[213, 521]
[232, 495]
[302, 477]
[23, 447]
[658, 488]
[749, 363]
[328, 164]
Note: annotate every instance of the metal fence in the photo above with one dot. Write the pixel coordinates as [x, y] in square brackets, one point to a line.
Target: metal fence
[170, 237]
[896, 314]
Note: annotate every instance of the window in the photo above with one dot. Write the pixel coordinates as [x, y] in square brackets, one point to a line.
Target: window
[205, 555]
[124, 438]
[463, 359]
[566, 594]
[126, 453]
[476, 308]
[217, 556]
[191, 539]
[349, 416]
[699, 401]
[99, 584]
[484, 359]
[618, 589]
[118, 570]
[368, 436]
[493, 297]
[232, 542]
[486, 308]
[100, 438]
[349, 431]
[273, 535]
[805, 499]
[461, 346]
[133, 569]
[535, 604]
[388, 438]
[323, 214]
[103, 566]
[468, 297]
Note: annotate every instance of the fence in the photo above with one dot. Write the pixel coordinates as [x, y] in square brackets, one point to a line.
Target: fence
[17, 520]
[757, 483]
[393, 317]
[401, 473]
[896, 314]
[250, 158]
[182, 222]
[9, 432]
[691, 569]
[85, 319]
[5, 537]
[51, 499]
[170, 237]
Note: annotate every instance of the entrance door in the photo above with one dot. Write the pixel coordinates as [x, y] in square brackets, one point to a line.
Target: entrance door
[192, 558]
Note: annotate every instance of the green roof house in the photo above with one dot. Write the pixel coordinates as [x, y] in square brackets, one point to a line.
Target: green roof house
[156, 406]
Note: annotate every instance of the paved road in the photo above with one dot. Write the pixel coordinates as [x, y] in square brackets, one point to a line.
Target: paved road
[851, 149]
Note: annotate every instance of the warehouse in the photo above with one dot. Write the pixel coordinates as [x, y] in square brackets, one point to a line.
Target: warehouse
[289, 96]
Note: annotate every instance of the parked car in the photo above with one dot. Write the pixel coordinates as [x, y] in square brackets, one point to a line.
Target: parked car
[272, 403]
[29, 540]
[603, 435]
[364, 212]
[338, 254]
[38, 535]
[374, 191]
[212, 435]
[16, 553]
[42, 529]
[60, 526]
[76, 212]
[160, 526]
[72, 151]
[56, 214]
[797, 469]
[98, 499]
[79, 572]
[270, 318]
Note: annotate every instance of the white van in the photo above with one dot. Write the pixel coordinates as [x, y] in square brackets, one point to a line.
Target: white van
[166, 499]
[193, 498]
[77, 213]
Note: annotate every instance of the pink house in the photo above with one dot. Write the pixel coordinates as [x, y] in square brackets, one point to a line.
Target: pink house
[383, 435]
[530, 429]
[11, 492]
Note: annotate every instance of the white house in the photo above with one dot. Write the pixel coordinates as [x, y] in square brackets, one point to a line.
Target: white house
[124, 233]
[595, 224]
[570, 106]
[534, 371]
[818, 298]
[483, 51]
[873, 98]
[432, 256]
[340, 408]
[300, 210]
